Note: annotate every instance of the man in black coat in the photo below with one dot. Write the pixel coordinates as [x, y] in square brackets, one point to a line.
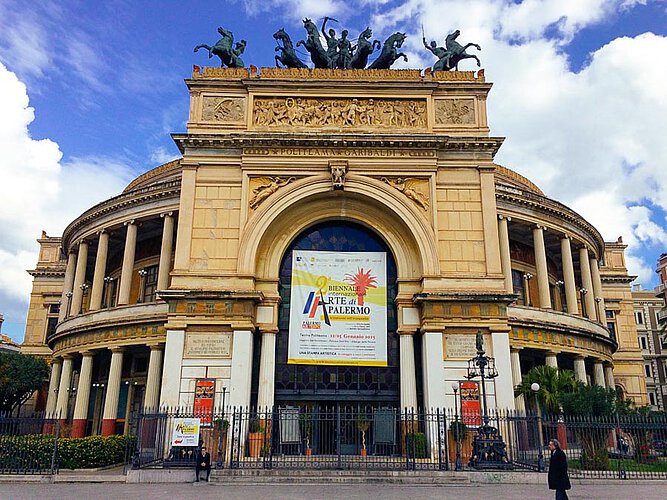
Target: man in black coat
[558, 478]
[203, 463]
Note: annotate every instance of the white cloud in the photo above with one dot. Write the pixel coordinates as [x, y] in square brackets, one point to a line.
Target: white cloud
[162, 155]
[38, 191]
[299, 8]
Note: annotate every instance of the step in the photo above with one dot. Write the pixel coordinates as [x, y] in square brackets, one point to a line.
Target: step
[314, 476]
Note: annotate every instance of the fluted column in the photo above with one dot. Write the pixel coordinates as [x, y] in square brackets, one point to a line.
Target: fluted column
[79, 278]
[165, 251]
[568, 275]
[541, 267]
[609, 377]
[54, 384]
[113, 391]
[128, 264]
[408, 376]
[580, 369]
[587, 282]
[63, 389]
[68, 285]
[505, 256]
[598, 374]
[517, 378]
[597, 290]
[100, 270]
[80, 419]
[154, 379]
[267, 370]
[551, 359]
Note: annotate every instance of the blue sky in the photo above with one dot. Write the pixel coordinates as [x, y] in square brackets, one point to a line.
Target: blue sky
[90, 91]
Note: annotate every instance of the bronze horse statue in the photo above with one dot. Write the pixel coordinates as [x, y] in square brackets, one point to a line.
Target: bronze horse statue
[389, 53]
[364, 48]
[313, 45]
[287, 56]
[229, 56]
[455, 53]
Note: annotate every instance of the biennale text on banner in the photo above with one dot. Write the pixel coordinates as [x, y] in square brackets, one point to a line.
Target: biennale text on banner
[186, 432]
[338, 310]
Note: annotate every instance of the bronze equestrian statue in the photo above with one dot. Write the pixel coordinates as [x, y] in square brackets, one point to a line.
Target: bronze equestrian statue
[449, 57]
[229, 56]
[287, 57]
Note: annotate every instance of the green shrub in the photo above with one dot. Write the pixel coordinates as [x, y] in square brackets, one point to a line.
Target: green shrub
[418, 440]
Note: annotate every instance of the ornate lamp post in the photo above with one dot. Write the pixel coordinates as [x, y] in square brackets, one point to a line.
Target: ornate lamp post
[535, 387]
[219, 464]
[457, 429]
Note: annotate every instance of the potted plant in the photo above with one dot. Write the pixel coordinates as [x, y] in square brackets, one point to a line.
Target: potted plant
[306, 427]
[255, 437]
[362, 425]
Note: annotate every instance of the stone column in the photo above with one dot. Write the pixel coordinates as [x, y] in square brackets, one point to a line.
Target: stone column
[580, 369]
[100, 270]
[63, 389]
[267, 370]
[505, 256]
[541, 267]
[551, 359]
[568, 276]
[517, 378]
[54, 383]
[433, 372]
[165, 251]
[80, 419]
[68, 285]
[598, 373]
[128, 264]
[597, 290]
[152, 396]
[587, 282]
[171, 378]
[79, 278]
[609, 377]
[503, 384]
[239, 384]
[113, 391]
[407, 374]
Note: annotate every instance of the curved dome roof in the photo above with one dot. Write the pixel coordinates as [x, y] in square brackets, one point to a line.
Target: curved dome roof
[510, 177]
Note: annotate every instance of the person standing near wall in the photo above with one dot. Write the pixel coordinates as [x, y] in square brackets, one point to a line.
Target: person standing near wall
[558, 478]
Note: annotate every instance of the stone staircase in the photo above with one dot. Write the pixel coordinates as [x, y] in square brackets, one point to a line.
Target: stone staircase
[313, 476]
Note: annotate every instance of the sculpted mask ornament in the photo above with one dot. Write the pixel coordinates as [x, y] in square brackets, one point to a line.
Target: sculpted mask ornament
[338, 171]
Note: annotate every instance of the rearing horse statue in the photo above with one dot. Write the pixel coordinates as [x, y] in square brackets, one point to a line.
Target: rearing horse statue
[364, 49]
[287, 57]
[389, 54]
[223, 49]
[313, 45]
[456, 53]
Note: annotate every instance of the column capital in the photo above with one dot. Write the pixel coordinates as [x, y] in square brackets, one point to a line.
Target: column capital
[505, 217]
[515, 348]
[117, 349]
[102, 231]
[565, 236]
[156, 346]
[87, 353]
[69, 355]
[552, 353]
[167, 214]
[539, 227]
[580, 357]
[268, 331]
[130, 222]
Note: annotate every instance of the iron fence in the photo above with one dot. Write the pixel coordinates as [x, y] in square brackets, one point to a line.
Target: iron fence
[28, 444]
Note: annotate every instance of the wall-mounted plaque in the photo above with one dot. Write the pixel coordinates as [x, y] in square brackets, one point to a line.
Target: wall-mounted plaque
[208, 345]
[460, 346]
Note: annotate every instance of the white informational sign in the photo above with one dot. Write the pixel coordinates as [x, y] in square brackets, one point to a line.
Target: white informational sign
[338, 310]
[186, 432]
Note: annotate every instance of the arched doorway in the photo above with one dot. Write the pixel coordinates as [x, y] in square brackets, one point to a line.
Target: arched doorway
[326, 385]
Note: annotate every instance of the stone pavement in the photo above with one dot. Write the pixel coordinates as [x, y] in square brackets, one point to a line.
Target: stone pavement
[200, 491]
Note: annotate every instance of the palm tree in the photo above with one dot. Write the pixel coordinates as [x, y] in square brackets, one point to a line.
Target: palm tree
[553, 383]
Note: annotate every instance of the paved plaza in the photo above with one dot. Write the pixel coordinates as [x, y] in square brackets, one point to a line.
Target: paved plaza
[645, 490]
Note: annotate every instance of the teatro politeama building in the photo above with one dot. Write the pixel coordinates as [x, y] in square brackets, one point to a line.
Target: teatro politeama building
[328, 237]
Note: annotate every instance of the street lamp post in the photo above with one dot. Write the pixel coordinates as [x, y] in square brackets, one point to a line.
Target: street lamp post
[219, 464]
[535, 387]
[457, 428]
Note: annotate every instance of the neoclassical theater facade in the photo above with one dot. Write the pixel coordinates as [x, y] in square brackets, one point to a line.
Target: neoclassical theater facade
[188, 273]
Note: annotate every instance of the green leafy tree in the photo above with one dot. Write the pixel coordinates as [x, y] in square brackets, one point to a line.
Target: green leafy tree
[553, 384]
[20, 377]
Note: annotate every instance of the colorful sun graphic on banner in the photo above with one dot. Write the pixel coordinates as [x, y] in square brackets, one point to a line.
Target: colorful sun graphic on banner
[362, 282]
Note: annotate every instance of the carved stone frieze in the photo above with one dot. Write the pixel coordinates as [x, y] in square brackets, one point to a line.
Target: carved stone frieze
[415, 189]
[224, 109]
[454, 111]
[339, 113]
[341, 74]
[263, 187]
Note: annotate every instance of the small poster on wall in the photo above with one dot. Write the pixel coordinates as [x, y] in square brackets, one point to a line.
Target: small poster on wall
[186, 432]
[204, 395]
[470, 404]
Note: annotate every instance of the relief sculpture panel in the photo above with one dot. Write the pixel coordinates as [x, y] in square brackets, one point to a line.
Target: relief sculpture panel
[414, 189]
[224, 109]
[454, 112]
[340, 113]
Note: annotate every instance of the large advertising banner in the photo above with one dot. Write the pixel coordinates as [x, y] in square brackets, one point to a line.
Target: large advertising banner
[186, 432]
[470, 404]
[204, 396]
[338, 310]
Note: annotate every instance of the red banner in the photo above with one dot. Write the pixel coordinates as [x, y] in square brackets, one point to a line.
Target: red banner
[204, 395]
[470, 404]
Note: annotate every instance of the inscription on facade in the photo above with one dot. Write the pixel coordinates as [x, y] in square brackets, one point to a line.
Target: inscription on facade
[460, 346]
[339, 113]
[208, 345]
[359, 152]
[224, 109]
[454, 111]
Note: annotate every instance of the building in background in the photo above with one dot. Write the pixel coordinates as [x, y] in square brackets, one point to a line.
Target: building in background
[189, 275]
[6, 343]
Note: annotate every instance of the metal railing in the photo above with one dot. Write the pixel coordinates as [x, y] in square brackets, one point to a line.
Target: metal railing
[28, 445]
